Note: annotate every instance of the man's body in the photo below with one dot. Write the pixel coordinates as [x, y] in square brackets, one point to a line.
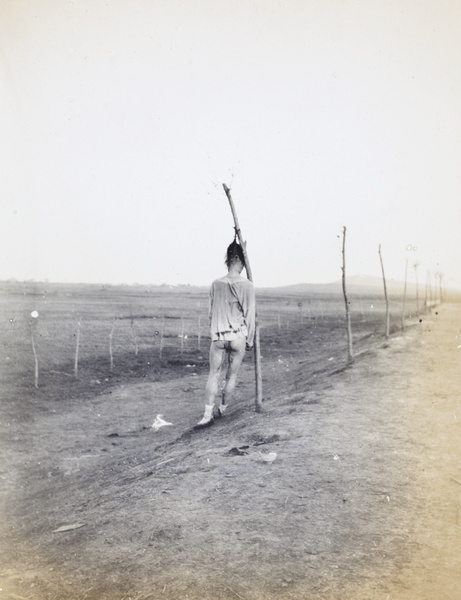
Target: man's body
[232, 322]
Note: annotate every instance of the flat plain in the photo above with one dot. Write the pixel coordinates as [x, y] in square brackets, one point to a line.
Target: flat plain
[361, 501]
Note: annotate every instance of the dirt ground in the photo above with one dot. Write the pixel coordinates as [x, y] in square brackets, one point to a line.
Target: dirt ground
[362, 501]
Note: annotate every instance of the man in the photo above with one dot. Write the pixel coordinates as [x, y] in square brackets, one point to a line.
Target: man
[232, 320]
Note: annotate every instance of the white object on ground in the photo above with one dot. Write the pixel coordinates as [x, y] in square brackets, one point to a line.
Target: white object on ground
[268, 457]
[34, 314]
[68, 527]
[159, 422]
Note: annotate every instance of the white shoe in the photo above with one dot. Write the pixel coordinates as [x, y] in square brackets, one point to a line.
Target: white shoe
[207, 418]
[222, 410]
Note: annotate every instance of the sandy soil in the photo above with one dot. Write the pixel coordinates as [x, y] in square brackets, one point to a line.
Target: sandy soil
[361, 502]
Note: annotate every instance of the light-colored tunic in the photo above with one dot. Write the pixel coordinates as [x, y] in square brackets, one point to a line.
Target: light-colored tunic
[232, 309]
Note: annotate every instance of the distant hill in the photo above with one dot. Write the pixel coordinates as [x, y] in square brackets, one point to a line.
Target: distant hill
[356, 284]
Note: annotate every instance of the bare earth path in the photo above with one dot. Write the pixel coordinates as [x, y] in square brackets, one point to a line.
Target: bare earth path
[434, 401]
[361, 503]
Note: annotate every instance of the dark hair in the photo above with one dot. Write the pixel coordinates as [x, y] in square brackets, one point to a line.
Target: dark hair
[234, 252]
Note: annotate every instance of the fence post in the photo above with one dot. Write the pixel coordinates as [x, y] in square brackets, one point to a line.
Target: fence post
[346, 302]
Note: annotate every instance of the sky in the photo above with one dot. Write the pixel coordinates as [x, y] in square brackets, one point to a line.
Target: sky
[121, 119]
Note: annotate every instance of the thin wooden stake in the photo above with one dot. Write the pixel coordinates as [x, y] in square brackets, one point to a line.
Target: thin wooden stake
[350, 353]
[77, 349]
[385, 293]
[257, 345]
[111, 336]
[415, 266]
[199, 332]
[133, 333]
[182, 335]
[404, 295]
[35, 356]
[161, 336]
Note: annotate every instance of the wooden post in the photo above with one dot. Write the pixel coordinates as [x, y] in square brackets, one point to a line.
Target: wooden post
[199, 329]
[415, 266]
[77, 347]
[35, 356]
[404, 295]
[111, 337]
[346, 302]
[257, 345]
[133, 334]
[385, 292]
[161, 336]
[182, 335]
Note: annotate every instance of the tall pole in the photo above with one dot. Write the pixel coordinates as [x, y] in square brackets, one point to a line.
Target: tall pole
[404, 295]
[257, 346]
[350, 351]
[385, 292]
